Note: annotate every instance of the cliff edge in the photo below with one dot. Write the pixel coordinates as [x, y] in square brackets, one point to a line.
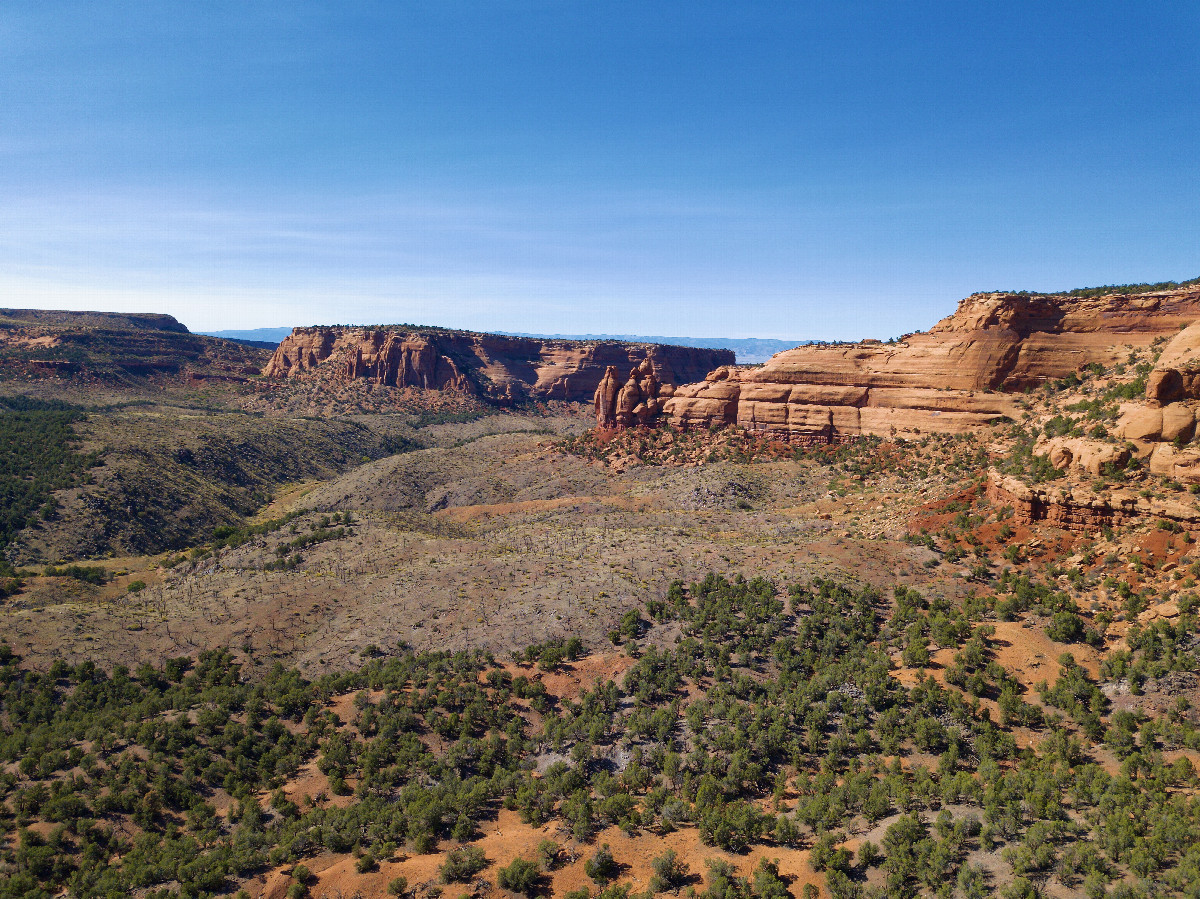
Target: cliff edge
[957, 376]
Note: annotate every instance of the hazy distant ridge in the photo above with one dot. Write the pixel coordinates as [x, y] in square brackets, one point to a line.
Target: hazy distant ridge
[255, 335]
[747, 349]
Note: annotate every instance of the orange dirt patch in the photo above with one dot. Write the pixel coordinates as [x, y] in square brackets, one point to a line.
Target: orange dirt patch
[1159, 547]
[311, 782]
[989, 533]
[934, 516]
[573, 679]
[508, 838]
[1031, 656]
[343, 706]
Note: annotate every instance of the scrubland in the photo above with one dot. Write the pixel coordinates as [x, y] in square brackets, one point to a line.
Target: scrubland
[440, 650]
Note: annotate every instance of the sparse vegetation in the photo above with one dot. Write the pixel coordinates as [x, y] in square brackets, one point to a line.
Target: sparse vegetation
[794, 686]
[497, 634]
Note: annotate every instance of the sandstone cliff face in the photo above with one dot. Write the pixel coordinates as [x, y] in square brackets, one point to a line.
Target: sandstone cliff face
[953, 378]
[1045, 337]
[495, 367]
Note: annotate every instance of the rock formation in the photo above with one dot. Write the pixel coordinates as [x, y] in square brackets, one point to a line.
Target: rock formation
[500, 369]
[637, 402]
[605, 398]
[405, 361]
[1079, 508]
[1086, 454]
[1163, 427]
[955, 377]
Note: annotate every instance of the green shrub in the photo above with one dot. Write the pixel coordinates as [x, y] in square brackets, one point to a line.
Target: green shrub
[547, 853]
[1065, 627]
[670, 872]
[519, 876]
[462, 864]
[601, 867]
[89, 574]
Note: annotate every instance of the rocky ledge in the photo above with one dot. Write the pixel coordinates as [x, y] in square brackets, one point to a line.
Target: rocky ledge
[1078, 508]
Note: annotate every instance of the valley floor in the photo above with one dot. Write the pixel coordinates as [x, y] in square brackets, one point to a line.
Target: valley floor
[837, 671]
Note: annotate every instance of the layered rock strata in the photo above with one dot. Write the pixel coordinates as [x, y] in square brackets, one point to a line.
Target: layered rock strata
[495, 367]
[116, 348]
[1076, 508]
[956, 377]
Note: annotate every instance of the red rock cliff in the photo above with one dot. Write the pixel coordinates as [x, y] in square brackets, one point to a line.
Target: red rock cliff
[952, 378]
[499, 368]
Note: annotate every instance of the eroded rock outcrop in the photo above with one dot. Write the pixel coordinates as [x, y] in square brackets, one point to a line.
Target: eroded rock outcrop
[1080, 508]
[956, 377]
[636, 402]
[1083, 453]
[495, 367]
[1162, 428]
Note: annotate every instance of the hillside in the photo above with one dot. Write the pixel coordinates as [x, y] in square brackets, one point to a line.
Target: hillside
[135, 436]
[115, 350]
[741, 741]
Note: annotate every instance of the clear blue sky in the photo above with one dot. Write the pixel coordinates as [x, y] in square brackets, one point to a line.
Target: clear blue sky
[796, 170]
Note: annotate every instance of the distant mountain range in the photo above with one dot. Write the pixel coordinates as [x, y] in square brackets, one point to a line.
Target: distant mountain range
[749, 350]
[263, 337]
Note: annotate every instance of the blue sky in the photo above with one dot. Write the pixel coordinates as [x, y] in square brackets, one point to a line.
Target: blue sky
[793, 170]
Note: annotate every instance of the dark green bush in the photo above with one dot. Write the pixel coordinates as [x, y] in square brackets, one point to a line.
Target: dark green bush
[462, 864]
[519, 876]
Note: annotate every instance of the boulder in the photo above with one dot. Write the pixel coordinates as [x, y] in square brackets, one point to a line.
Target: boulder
[1164, 385]
[1181, 464]
[1178, 423]
[1141, 425]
